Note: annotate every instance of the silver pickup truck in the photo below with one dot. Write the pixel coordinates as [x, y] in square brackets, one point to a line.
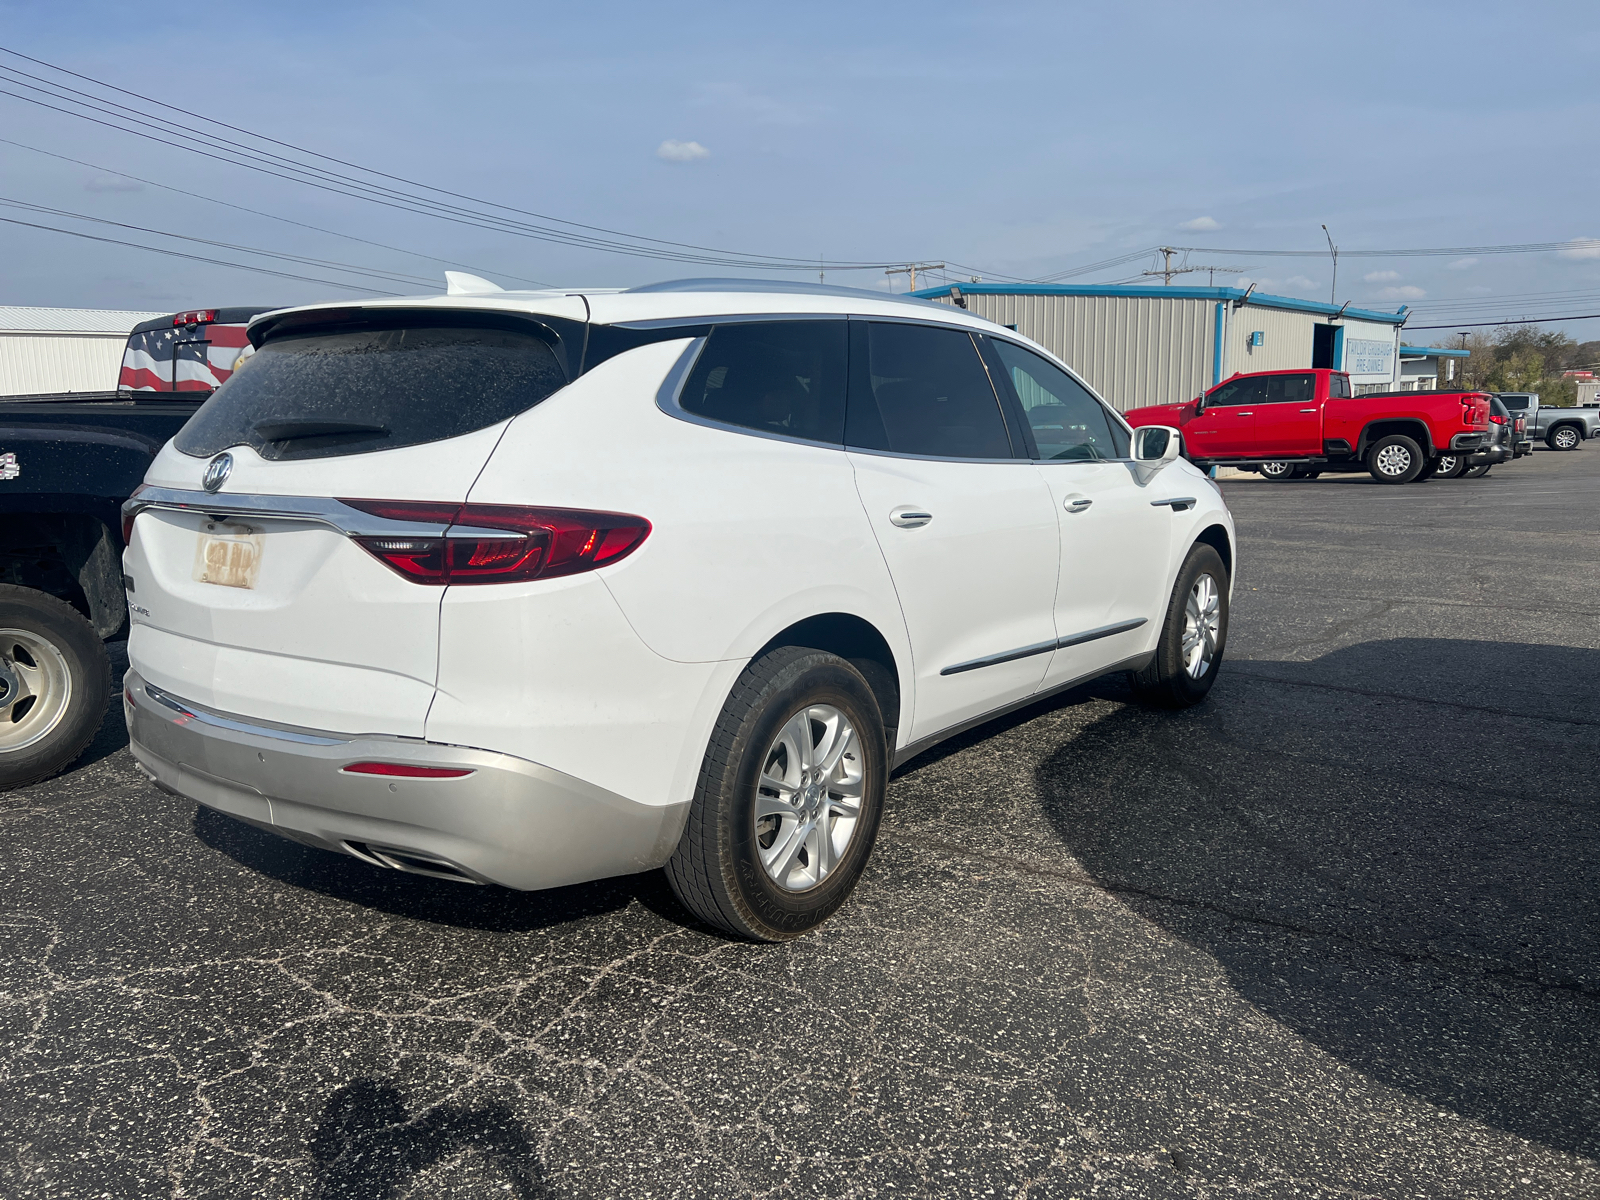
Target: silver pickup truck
[1561, 428]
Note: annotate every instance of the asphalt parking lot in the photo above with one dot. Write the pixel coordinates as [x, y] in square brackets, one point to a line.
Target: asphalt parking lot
[1335, 933]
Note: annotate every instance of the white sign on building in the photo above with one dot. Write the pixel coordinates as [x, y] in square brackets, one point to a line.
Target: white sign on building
[1366, 357]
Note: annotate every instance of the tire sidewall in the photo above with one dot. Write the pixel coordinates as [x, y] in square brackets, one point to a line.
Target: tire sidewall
[1409, 445]
[1556, 434]
[773, 913]
[1185, 690]
[90, 670]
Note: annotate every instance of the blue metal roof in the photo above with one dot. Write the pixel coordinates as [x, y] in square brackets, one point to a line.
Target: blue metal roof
[1432, 352]
[1157, 292]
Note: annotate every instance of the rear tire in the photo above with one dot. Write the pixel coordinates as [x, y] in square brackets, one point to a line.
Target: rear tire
[776, 840]
[1395, 459]
[1277, 470]
[55, 680]
[1450, 466]
[1178, 676]
[1429, 470]
[1563, 437]
[1477, 472]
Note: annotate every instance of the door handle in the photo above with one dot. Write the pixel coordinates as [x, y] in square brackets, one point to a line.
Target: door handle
[1247, 414]
[1077, 504]
[1308, 410]
[908, 516]
[1177, 503]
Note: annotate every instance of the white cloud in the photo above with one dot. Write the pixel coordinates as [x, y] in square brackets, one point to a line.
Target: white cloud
[1201, 225]
[1583, 247]
[1402, 293]
[1300, 281]
[1245, 281]
[113, 183]
[673, 150]
[1461, 264]
[1380, 276]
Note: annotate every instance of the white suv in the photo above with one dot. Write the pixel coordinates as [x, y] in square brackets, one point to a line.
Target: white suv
[532, 588]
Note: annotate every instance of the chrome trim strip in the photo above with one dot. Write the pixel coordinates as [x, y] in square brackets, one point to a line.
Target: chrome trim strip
[194, 712]
[1105, 631]
[990, 660]
[1076, 639]
[318, 510]
[1137, 663]
[1176, 503]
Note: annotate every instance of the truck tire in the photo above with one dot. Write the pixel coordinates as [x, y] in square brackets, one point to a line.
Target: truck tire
[55, 679]
[1429, 470]
[1564, 437]
[1277, 470]
[1194, 635]
[1477, 472]
[1449, 466]
[1395, 459]
[776, 840]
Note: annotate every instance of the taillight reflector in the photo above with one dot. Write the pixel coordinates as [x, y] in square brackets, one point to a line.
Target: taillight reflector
[195, 316]
[500, 543]
[406, 770]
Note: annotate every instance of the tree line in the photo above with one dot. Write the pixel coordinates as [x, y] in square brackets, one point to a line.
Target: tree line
[1524, 358]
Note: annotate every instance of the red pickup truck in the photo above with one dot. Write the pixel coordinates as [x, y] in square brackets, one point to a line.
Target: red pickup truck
[1307, 422]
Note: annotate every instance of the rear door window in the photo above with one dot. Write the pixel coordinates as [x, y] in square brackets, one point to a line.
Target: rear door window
[1067, 422]
[1339, 387]
[337, 391]
[780, 377]
[1290, 389]
[923, 390]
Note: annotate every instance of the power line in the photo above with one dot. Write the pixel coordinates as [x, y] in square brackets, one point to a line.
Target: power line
[1518, 321]
[194, 257]
[229, 150]
[274, 216]
[1436, 251]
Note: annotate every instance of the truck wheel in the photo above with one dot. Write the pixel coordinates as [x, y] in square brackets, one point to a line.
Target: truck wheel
[1429, 470]
[1193, 635]
[1277, 470]
[1563, 437]
[1450, 465]
[1395, 459]
[55, 679]
[789, 798]
[1477, 472]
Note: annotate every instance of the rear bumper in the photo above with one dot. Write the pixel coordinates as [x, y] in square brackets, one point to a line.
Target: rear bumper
[510, 822]
[1468, 441]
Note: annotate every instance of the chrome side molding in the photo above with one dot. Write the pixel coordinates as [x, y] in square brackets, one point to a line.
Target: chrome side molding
[1076, 639]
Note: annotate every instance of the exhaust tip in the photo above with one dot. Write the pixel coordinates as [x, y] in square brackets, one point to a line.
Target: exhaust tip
[412, 862]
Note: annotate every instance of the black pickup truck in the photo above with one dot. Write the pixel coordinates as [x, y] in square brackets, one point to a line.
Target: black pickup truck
[67, 462]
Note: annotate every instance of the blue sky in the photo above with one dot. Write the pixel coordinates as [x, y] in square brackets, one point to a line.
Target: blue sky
[1016, 140]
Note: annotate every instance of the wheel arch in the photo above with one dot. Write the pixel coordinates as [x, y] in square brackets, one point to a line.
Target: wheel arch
[1411, 427]
[859, 642]
[1216, 536]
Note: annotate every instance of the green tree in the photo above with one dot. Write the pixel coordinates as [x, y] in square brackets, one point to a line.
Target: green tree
[1524, 358]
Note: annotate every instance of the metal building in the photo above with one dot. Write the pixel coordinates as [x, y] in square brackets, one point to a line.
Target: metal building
[62, 349]
[1163, 345]
[1419, 367]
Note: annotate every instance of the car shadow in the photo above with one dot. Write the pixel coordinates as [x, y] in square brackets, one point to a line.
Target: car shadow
[366, 1145]
[1392, 850]
[421, 898]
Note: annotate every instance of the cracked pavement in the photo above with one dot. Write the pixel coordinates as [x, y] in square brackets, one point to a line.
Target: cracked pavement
[1335, 933]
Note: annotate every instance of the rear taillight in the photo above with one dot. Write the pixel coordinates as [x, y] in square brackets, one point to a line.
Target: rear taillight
[500, 543]
[195, 316]
[405, 770]
[128, 515]
[1497, 418]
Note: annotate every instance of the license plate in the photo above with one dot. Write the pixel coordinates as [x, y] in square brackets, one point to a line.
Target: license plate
[228, 555]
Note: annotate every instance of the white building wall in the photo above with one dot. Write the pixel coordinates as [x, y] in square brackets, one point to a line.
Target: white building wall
[1132, 350]
[1285, 340]
[59, 362]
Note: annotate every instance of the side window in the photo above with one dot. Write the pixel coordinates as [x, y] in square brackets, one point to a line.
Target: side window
[784, 377]
[1236, 394]
[917, 389]
[1520, 403]
[1067, 422]
[1290, 389]
[1338, 387]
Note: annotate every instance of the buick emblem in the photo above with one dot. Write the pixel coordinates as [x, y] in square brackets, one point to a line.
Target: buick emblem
[217, 471]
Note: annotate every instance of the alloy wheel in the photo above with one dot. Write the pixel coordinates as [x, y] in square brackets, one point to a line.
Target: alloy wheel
[808, 797]
[1275, 470]
[1394, 460]
[1202, 626]
[35, 688]
[1566, 439]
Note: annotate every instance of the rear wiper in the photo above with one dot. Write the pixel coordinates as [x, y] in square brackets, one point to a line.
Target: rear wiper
[283, 431]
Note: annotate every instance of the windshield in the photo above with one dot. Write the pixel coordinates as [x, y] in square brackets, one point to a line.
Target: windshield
[353, 391]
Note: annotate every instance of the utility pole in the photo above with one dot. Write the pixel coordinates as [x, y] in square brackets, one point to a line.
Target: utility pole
[1334, 251]
[1167, 270]
[912, 269]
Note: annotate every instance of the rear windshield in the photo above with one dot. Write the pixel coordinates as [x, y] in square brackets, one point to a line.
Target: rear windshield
[319, 395]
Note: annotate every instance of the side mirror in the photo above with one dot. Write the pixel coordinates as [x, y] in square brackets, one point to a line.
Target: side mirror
[1156, 445]
[1199, 404]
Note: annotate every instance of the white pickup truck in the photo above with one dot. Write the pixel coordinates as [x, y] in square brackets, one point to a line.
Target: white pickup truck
[1561, 428]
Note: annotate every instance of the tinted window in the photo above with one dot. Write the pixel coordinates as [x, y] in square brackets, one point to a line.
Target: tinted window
[1339, 387]
[318, 395]
[785, 377]
[1517, 402]
[1289, 389]
[921, 390]
[1236, 394]
[1067, 422]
